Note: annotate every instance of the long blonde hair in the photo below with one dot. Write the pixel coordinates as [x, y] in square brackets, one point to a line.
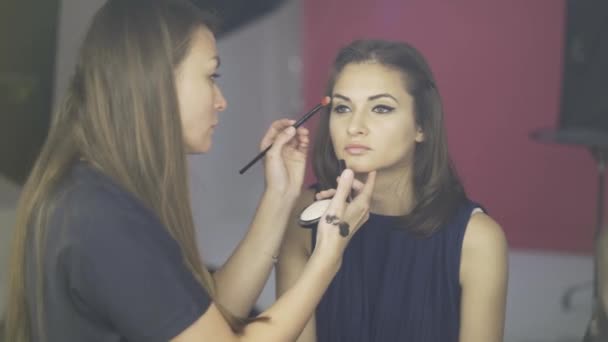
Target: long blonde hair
[121, 113]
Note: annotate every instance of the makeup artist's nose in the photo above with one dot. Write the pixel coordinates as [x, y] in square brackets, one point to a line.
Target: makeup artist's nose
[220, 102]
[357, 124]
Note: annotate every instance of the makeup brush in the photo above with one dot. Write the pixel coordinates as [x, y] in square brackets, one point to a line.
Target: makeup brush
[324, 102]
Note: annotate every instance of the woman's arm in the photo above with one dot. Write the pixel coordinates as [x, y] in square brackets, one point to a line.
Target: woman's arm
[483, 277]
[294, 255]
[289, 314]
[241, 279]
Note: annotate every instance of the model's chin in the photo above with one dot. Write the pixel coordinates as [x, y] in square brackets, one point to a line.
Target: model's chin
[359, 164]
[362, 170]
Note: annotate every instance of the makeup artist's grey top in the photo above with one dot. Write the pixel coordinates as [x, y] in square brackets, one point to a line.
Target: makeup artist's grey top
[112, 271]
[394, 286]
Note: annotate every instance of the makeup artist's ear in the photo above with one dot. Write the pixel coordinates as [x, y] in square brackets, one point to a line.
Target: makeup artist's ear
[419, 134]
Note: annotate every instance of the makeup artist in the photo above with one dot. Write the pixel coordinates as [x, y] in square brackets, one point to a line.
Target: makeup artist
[105, 247]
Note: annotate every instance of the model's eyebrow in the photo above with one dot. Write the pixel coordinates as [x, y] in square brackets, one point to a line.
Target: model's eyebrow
[379, 96]
[371, 98]
[342, 97]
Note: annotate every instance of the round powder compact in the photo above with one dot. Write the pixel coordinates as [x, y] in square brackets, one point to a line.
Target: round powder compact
[312, 214]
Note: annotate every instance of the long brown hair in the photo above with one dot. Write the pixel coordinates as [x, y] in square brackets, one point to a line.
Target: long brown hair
[438, 192]
[121, 114]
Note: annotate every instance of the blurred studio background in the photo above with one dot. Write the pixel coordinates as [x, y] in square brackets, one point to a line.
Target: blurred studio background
[525, 90]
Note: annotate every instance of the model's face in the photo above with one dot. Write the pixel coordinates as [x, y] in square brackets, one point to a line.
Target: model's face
[372, 122]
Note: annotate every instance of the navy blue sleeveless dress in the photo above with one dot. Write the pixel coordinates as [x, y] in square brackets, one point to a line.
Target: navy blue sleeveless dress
[393, 286]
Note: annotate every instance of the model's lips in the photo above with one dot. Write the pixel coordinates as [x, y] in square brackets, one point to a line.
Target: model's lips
[356, 149]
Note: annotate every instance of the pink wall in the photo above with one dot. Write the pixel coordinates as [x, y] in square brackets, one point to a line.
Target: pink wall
[498, 66]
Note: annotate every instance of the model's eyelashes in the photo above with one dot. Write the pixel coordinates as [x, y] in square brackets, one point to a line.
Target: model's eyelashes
[383, 109]
[340, 109]
[380, 109]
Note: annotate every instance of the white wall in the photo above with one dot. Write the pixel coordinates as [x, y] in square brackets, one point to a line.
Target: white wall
[537, 283]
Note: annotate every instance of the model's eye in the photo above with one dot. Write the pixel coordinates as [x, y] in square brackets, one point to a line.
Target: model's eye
[341, 109]
[383, 109]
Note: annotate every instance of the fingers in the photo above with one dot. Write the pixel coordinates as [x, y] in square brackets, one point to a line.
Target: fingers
[357, 185]
[329, 193]
[336, 206]
[301, 142]
[275, 129]
[357, 211]
[368, 187]
[281, 139]
[342, 218]
[303, 139]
